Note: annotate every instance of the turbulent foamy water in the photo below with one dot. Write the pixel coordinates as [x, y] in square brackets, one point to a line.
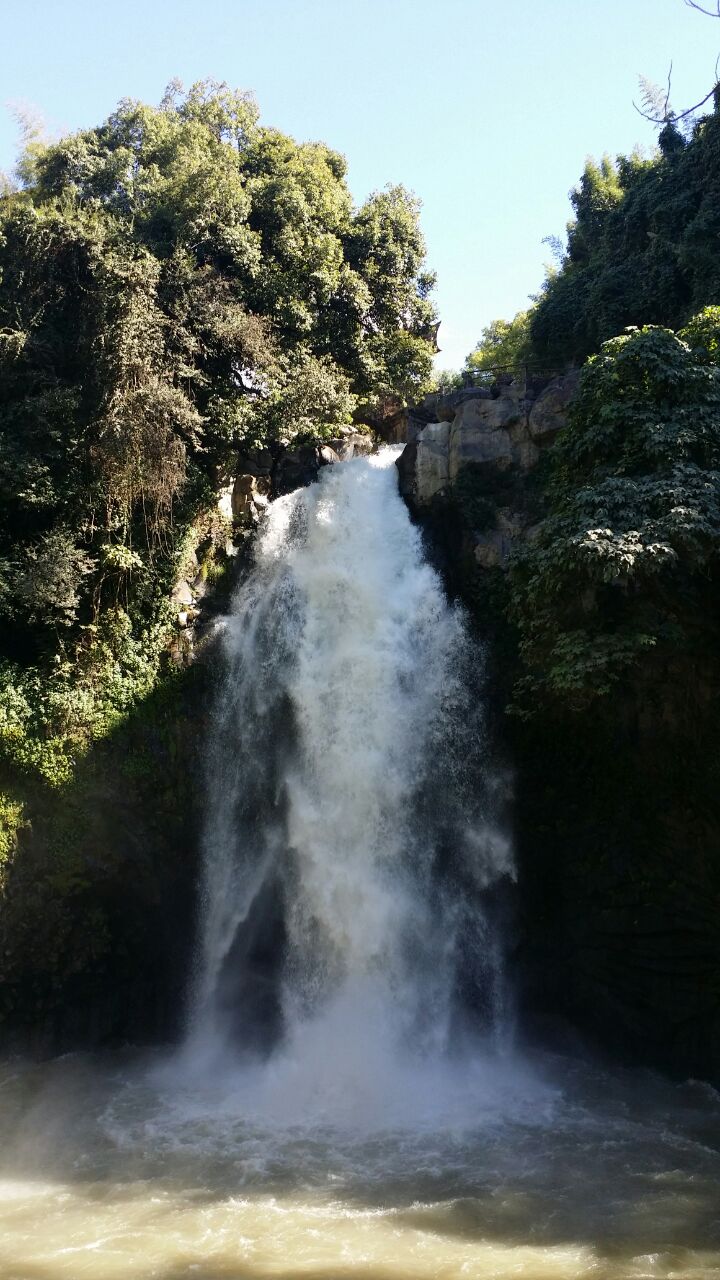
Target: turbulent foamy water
[352, 841]
[348, 1103]
[112, 1171]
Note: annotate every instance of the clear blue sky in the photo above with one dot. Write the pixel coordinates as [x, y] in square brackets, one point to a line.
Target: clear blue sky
[486, 110]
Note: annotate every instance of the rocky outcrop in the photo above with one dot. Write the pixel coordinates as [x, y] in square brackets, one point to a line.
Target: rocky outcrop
[262, 474]
[249, 496]
[432, 459]
[492, 434]
[476, 427]
[350, 443]
[492, 548]
[548, 413]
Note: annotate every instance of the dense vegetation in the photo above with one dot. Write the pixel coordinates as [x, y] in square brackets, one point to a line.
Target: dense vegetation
[621, 581]
[177, 286]
[604, 633]
[642, 248]
[174, 284]
[603, 645]
[617, 681]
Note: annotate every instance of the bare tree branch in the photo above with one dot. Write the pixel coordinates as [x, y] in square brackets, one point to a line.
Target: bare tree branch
[658, 113]
[709, 13]
[680, 115]
[662, 113]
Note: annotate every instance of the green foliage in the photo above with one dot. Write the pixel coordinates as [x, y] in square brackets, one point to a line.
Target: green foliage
[446, 380]
[49, 577]
[621, 579]
[702, 333]
[504, 344]
[11, 821]
[642, 248]
[48, 719]
[175, 283]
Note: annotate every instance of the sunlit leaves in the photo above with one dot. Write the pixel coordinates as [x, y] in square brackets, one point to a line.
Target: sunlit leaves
[621, 575]
[642, 248]
[175, 285]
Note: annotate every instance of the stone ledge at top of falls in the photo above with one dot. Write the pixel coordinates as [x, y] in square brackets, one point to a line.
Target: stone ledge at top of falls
[499, 430]
[264, 473]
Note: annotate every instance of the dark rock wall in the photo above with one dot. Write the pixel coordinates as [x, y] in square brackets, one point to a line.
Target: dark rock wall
[98, 912]
[617, 820]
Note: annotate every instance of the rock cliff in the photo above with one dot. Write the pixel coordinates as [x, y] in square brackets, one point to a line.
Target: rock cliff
[616, 826]
[489, 439]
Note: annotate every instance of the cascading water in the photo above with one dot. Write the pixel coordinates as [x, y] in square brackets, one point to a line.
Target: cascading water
[327, 1117]
[350, 820]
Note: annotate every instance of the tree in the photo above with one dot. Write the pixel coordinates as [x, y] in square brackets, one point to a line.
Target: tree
[620, 583]
[503, 345]
[176, 283]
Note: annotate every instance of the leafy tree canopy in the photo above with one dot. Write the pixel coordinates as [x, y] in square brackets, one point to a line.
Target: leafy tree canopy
[642, 248]
[175, 283]
[503, 345]
[620, 583]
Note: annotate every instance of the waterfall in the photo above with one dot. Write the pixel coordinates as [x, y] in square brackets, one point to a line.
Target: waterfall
[351, 848]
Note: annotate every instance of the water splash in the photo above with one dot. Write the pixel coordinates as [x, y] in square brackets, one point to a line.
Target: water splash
[350, 841]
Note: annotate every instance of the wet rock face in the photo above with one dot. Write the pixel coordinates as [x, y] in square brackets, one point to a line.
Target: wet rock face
[432, 458]
[477, 430]
[261, 474]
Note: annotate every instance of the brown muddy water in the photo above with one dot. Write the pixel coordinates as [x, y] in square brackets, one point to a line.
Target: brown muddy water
[131, 1168]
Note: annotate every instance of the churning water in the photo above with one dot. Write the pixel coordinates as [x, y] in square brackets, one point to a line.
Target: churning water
[352, 849]
[347, 1104]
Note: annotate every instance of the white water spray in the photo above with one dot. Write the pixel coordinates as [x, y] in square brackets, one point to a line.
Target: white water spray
[350, 852]
[350, 835]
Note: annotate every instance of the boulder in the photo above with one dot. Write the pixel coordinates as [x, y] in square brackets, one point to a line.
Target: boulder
[224, 501]
[352, 444]
[182, 594]
[479, 434]
[249, 496]
[295, 468]
[492, 548]
[549, 412]
[406, 472]
[443, 405]
[431, 465]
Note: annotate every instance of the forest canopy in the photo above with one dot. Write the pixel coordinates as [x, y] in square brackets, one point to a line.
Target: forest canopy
[642, 247]
[178, 282]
